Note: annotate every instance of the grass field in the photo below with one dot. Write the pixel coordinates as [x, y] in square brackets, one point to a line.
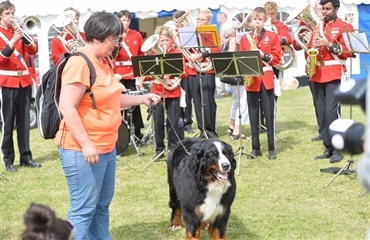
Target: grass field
[281, 199]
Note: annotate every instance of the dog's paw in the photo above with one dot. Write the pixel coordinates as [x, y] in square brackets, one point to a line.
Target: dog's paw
[175, 228]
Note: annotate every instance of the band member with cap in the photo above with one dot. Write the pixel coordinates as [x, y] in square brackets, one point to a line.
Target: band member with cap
[130, 45]
[327, 39]
[15, 88]
[261, 88]
[65, 41]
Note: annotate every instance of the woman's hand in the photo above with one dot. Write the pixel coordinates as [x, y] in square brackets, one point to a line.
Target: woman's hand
[90, 153]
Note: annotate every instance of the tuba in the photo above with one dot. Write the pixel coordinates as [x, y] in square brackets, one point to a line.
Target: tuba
[185, 21]
[303, 34]
[288, 53]
[65, 20]
[151, 44]
[28, 26]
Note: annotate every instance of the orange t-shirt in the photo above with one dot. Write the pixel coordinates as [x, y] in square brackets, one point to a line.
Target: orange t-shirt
[101, 124]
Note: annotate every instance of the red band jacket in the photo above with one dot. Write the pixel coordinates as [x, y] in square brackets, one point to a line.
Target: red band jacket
[158, 88]
[328, 67]
[268, 42]
[123, 64]
[204, 62]
[13, 73]
[283, 31]
[58, 43]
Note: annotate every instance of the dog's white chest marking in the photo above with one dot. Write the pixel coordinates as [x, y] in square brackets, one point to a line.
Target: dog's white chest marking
[211, 207]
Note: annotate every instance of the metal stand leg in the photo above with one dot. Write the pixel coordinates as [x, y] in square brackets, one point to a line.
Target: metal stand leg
[157, 157]
[203, 133]
[5, 177]
[148, 136]
[241, 148]
[362, 194]
[347, 169]
[133, 139]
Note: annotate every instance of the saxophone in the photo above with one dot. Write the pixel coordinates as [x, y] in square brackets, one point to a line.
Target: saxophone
[312, 53]
[248, 80]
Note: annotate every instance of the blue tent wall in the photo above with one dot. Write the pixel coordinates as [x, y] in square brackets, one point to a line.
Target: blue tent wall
[364, 26]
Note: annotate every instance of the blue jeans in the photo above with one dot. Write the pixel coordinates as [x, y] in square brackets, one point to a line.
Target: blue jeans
[91, 189]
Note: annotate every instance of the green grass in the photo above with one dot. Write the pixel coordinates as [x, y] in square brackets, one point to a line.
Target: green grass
[282, 199]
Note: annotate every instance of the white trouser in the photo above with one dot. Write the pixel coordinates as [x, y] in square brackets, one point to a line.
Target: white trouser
[234, 113]
[220, 86]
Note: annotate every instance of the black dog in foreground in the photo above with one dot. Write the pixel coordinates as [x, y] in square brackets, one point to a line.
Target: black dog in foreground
[202, 186]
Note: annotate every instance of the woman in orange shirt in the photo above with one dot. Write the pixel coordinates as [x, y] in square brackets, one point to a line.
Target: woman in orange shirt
[87, 136]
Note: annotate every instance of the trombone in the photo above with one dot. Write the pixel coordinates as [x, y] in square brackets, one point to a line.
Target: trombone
[30, 24]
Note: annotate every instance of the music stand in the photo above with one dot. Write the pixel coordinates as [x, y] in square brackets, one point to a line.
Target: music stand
[158, 65]
[232, 64]
[200, 37]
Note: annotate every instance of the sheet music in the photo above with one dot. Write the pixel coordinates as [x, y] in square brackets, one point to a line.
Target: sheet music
[188, 37]
[356, 42]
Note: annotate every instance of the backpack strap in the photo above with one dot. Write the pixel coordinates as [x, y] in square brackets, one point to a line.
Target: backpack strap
[92, 77]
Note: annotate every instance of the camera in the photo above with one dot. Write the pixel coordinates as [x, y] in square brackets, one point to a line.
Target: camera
[346, 135]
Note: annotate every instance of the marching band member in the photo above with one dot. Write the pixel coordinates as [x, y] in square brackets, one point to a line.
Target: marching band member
[186, 112]
[327, 69]
[208, 84]
[65, 41]
[130, 46]
[277, 27]
[15, 89]
[282, 30]
[238, 92]
[170, 99]
[316, 9]
[261, 88]
[220, 86]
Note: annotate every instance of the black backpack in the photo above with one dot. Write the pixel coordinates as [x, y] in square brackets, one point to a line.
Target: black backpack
[47, 96]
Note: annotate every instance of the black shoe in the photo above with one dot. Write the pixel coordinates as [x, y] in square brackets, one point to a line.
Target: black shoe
[336, 157]
[272, 154]
[30, 163]
[230, 131]
[317, 138]
[10, 167]
[255, 153]
[326, 154]
[189, 128]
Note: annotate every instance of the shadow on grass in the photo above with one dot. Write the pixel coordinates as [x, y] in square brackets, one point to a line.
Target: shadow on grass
[47, 157]
[160, 230]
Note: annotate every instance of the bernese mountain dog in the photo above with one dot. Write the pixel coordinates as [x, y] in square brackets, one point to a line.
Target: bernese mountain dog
[202, 186]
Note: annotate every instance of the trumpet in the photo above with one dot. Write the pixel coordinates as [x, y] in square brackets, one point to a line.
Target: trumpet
[27, 26]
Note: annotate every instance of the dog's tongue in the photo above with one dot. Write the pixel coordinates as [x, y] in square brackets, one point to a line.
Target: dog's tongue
[222, 176]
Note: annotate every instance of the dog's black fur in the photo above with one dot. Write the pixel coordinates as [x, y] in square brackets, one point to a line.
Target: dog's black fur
[202, 186]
